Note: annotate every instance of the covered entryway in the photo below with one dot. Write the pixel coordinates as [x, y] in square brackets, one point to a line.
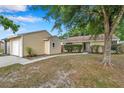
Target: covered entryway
[47, 47]
[52, 45]
[86, 47]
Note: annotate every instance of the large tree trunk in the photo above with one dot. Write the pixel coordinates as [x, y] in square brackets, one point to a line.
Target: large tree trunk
[107, 38]
[109, 27]
[107, 49]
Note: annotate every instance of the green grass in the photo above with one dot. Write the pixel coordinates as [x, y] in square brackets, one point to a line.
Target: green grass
[69, 71]
[9, 69]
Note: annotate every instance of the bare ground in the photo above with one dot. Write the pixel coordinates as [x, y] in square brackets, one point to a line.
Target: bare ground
[70, 71]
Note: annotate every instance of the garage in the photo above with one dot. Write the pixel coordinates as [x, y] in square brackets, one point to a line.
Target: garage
[40, 43]
[16, 47]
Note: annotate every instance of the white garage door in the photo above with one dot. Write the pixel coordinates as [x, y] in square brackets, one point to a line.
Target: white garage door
[16, 47]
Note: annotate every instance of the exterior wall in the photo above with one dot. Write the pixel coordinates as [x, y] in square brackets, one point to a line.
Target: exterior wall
[57, 45]
[100, 43]
[36, 42]
[100, 50]
[97, 43]
[8, 47]
[92, 43]
[1, 45]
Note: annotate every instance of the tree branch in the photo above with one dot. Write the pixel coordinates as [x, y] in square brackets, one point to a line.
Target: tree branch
[106, 20]
[117, 21]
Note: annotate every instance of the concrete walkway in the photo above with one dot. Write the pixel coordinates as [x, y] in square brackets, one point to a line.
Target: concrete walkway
[10, 60]
[48, 57]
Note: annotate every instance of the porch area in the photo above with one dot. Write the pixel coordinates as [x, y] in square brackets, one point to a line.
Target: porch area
[76, 47]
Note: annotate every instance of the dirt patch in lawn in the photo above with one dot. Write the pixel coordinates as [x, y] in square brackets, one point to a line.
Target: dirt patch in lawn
[67, 71]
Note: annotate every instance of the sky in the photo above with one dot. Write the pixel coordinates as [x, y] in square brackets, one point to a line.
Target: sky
[30, 20]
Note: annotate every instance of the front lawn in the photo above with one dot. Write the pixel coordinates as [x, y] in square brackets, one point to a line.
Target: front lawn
[69, 71]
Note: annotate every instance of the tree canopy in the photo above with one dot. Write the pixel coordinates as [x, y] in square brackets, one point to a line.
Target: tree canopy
[75, 32]
[120, 30]
[6, 23]
[87, 17]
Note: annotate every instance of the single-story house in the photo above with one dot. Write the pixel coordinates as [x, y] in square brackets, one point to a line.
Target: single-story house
[1, 47]
[1, 44]
[88, 41]
[41, 43]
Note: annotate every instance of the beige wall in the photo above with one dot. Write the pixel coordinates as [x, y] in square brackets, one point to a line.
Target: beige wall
[36, 42]
[101, 43]
[1, 45]
[97, 43]
[57, 48]
[8, 47]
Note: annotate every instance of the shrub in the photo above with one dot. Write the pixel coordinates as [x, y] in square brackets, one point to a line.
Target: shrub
[95, 48]
[118, 48]
[73, 48]
[115, 48]
[68, 48]
[29, 51]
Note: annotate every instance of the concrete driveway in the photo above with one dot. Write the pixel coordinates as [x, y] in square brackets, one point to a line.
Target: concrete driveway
[9, 60]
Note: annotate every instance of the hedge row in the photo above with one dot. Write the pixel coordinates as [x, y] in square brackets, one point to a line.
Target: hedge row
[96, 48]
[73, 48]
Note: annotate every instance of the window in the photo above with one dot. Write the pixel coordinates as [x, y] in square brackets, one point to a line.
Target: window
[53, 44]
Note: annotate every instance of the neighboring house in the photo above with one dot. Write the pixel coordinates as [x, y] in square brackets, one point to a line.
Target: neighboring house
[41, 42]
[1, 47]
[87, 42]
[1, 44]
[121, 42]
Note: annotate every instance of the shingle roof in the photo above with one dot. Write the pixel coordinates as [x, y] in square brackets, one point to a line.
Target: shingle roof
[49, 38]
[89, 38]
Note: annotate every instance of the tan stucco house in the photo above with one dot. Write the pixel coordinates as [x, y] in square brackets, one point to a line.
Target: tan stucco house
[41, 43]
[88, 41]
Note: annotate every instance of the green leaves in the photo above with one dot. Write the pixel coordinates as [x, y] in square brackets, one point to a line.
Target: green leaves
[6, 23]
[120, 30]
[81, 17]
